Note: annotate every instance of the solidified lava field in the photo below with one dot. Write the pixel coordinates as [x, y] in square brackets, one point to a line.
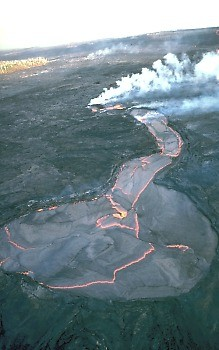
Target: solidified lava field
[109, 193]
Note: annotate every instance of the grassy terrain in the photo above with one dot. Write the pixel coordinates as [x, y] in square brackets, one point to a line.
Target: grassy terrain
[15, 65]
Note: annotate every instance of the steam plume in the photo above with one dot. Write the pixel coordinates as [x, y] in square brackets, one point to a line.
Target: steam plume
[168, 75]
[119, 48]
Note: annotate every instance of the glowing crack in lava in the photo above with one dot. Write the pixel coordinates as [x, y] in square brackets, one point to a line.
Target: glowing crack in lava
[138, 240]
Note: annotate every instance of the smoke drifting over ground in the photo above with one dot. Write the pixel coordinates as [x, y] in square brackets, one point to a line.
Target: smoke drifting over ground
[118, 48]
[169, 77]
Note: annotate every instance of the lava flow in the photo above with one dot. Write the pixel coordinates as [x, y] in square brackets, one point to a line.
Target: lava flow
[121, 200]
[170, 146]
[111, 281]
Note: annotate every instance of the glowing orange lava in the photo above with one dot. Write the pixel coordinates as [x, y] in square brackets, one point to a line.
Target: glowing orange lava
[3, 261]
[16, 245]
[118, 269]
[107, 108]
[178, 246]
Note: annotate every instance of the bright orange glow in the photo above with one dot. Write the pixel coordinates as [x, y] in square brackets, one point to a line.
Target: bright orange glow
[146, 185]
[26, 273]
[16, 245]
[178, 246]
[3, 261]
[121, 215]
[100, 223]
[50, 208]
[118, 106]
[53, 208]
[107, 108]
[120, 210]
[136, 226]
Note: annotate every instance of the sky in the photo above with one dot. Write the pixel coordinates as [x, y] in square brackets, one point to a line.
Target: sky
[37, 23]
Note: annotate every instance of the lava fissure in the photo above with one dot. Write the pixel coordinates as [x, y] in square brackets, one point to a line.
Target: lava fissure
[118, 269]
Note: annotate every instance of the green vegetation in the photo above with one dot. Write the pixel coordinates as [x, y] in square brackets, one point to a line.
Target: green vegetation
[15, 65]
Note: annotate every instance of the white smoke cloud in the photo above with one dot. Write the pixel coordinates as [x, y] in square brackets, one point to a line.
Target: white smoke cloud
[194, 105]
[164, 76]
[119, 48]
[208, 66]
[200, 104]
